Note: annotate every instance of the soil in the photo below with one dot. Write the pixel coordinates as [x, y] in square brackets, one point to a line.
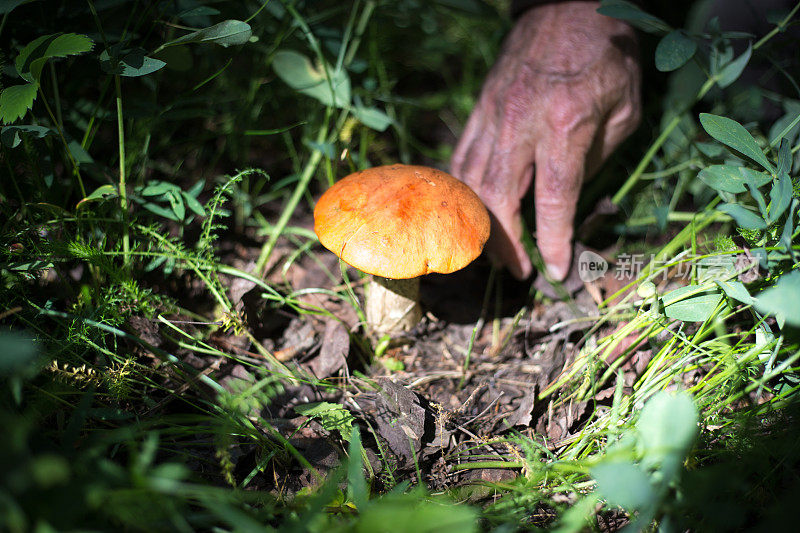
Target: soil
[441, 396]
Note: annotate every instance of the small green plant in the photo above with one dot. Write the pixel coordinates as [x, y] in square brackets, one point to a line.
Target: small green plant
[169, 201]
[658, 444]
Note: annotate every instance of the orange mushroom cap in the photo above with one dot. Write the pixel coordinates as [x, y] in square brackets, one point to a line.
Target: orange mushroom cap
[402, 221]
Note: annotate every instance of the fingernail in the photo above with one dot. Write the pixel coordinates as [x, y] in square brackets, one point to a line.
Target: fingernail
[556, 272]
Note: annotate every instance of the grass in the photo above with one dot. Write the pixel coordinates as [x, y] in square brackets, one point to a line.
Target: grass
[140, 193]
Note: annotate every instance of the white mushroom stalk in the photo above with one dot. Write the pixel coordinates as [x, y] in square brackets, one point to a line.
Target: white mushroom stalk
[392, 305]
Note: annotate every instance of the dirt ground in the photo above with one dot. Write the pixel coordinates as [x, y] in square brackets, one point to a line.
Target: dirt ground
[442, 405]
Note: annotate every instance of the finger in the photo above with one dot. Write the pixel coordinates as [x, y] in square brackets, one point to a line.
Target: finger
[560, 161]
[509, 173]
[505, 243]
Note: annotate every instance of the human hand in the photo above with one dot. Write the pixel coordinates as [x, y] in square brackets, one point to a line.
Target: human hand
[562, 95]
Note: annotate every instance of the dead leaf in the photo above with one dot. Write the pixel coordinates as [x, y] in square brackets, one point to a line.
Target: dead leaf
[298, 337]
[523, 414]
[334, 351]
[399, 418]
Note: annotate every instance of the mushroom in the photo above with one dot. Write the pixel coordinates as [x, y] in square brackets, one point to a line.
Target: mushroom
[399, 222]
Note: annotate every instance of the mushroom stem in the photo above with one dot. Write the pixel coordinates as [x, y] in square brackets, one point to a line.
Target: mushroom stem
[392, 305]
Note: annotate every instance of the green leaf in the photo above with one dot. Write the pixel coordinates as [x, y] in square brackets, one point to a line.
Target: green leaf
[710, 149]
[785, 156]
[667, 429]
[624, 484]
[786, 127]
[764, 260]
[372, 117]
[674, 50]
[195, 189]
[16, 100]
[302, 75]
[755, 192]
[160, 211]
[155, 263]
[754, 178]
[730, 178]
[79, 153]
[788, 230]
[661, 213]
[31, 59]
[29, 266]
[732, 134]
[721, 53]
[692, 303]
[332, 416]
[104, 192]
[157, 188]
[780, 196]
[136, 65]
[356, 483]
[176, 203]
[743, 216]
[11, 137]
[69, 44]
[192, 203]
[31, 51]
[132, 63]
[782, 299]
[714, 267]
[226, 33]
[735, 290]
[732, 70]
[632, 14]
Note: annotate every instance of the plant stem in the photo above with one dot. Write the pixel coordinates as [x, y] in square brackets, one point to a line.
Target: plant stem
[362, 25]
[75, 168]
[672, 217]
[685, 234]
[778, 27]
[56, 97]
[656, 146]
[291, 205]
[88, 136]
[123, 196]
[257, 11]
[671, 171]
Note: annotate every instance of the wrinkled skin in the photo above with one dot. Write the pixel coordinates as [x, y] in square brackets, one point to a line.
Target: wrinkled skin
[562, 95]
